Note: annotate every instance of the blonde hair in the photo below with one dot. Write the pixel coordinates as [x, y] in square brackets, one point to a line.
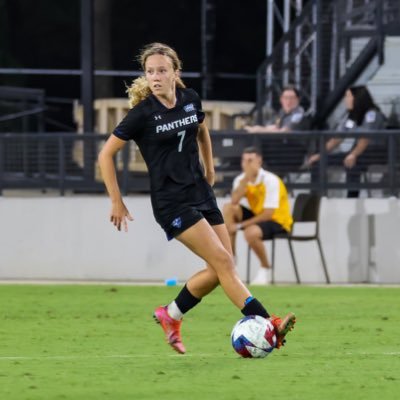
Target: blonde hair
[139, 89]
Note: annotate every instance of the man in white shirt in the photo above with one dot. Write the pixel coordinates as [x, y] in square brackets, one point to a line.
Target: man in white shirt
[260, 207]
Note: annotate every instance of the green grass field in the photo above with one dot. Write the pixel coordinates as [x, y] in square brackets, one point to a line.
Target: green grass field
[100, 342]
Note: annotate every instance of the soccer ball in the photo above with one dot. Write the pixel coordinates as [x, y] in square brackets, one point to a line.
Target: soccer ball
[253, 337]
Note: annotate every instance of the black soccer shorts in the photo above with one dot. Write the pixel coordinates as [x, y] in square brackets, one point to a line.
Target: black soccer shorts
[268, 228]
[187, 216]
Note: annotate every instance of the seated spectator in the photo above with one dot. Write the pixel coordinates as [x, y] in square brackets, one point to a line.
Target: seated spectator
[362, 115]
[260, 207]
[291, 117]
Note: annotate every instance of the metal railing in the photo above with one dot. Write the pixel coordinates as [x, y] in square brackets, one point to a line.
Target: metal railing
[294, 60]
[56, 161]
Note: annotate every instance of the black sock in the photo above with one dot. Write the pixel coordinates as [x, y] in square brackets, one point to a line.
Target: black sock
[254, 307]
[186, 301]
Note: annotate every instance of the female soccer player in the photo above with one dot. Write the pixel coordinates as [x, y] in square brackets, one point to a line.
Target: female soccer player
[166, 122]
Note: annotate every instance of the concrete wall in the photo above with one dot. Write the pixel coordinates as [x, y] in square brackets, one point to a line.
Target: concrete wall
[70, 238]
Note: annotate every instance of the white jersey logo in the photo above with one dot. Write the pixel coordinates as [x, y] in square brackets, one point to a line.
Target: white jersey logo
[297, 117]
[350, 124]
[176, 124]
[189, 107]
[370, 116]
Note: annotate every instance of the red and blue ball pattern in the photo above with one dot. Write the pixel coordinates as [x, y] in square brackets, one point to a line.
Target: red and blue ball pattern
[253, 337]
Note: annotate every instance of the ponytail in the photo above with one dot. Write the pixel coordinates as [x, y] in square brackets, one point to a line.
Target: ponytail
[139, 90]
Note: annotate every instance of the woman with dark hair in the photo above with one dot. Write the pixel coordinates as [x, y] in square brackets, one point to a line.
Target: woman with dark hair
[362, 115]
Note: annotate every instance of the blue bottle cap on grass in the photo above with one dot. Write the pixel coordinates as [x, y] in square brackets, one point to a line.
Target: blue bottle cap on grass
[171, 281]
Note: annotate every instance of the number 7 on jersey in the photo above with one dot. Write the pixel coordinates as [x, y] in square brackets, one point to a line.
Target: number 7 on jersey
[182, 135]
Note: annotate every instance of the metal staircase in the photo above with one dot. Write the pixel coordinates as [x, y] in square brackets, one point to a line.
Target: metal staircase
[292, 59]
[326, 48]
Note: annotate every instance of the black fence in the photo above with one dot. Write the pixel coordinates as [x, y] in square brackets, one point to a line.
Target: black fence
[68, 162]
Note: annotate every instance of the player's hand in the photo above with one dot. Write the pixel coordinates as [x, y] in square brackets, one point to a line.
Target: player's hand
[210, 177]
[248, 175]
[120, 215]
[350, 161]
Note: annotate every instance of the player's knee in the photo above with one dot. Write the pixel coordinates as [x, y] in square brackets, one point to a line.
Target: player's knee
[252, 234]
[224, 261]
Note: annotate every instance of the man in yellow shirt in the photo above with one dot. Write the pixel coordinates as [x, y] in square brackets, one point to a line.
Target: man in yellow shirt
[260, 207]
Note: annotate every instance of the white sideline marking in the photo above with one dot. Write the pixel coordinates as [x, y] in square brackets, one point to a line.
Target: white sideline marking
[208, 355]
[162, 283]
[106, 357]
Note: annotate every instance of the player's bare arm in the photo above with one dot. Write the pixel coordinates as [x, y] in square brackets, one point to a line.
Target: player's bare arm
[119, 213]
[205, 147]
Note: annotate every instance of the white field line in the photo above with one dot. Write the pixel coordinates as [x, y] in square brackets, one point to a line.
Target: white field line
[194, 355]
[162, 283]
[116, 356]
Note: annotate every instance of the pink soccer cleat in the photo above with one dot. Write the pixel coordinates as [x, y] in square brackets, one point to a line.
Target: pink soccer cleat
[171, 327]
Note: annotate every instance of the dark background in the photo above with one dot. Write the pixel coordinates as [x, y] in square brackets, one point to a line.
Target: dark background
[46, 34]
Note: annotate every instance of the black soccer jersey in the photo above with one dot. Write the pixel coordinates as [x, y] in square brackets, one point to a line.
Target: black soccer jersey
[167, 140]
